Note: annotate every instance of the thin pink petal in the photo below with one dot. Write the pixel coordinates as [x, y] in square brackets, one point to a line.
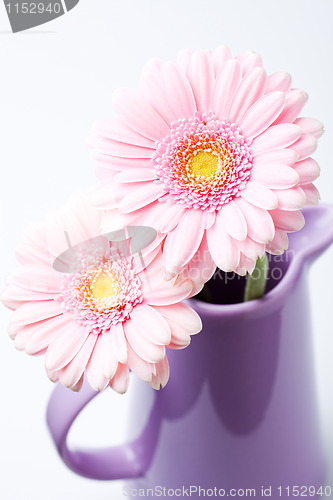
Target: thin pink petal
[45, 333]
[159, 292]
[308, 170]
[178, 91]
[278, 81]
[262, 114]
[287, 221]
[305, 146]
[201, 267]
[136, 175]
[95, 367]
[282, 156]
[139, 367]
[153, 326]
[139, 115]
[68, 343]
[154, 92]
[71, 374]
[143, 194]
[220, 56]
[275, 176]
[182, 315]
[225, 86]
[279, 244]
[295, 101]
[310, 126]
[250, 62]
[276, 137]
[290, 199]
[148, 351]
[183, 242]
[201, 77]
[222, 247]
[234, 221]
[116, 130]
[259, 195]
[162, 375]
[120, 381]
[119, 344]
[32, 312]
[250, 89]
[259, 223]
[311, 193]
[251, 249]
[108, 360]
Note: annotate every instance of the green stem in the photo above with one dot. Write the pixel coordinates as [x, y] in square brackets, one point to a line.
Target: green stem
[256, 282]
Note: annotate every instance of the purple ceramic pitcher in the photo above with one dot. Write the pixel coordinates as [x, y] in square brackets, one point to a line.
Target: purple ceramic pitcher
[240, 410]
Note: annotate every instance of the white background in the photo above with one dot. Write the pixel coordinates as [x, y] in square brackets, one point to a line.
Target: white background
[55, 81]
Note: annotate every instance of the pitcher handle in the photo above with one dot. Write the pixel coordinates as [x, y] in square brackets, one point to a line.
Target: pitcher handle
[125, 461]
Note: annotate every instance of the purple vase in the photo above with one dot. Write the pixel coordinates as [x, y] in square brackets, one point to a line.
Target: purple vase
[240, 409]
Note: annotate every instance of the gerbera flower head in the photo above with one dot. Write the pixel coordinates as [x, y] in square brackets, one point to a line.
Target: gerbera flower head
[212, 152]
[90, 305]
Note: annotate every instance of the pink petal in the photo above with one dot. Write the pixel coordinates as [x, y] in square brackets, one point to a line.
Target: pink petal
[278, 81]
[295, 101]
[108, 359]
[276, 137]
[259, 223]
[234, 221]
[310, 126]
[250, 62]
[144, 348]
[15, 296]
[288, 221]
[95, 372]
[139, 115]
[182, 315]
[220, 56]
[32, 312]
[250, 89]
[308, 170]
[116, 130]
[178, 91]
[225, 86]
[159, 292]
[183, 242]
[262, 114]
[179, 336]
[259, 195]
[290, 199]
[155, 94]
[68, 343]
[142, 195]
[311, 193]
[251, 249]
[72, 373]
[78, 386]
[119, 344]
[162, 375]
[201, 267]
[246, 265]
[120, 381]
[305, 146]
[201, 77]
[275, 176]
[141, 368]
[116, 163]
[45, 333]
[152, 324]
[279, 244]
[127, 150]
[284, 156]
[22, 335]
[222, 247]
[40, 278]
[136, 175]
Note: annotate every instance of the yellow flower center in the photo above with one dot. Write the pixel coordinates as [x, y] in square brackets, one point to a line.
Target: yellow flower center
[204, 164]
[104, 286]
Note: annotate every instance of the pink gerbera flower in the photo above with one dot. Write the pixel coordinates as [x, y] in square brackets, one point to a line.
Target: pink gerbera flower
[89, 305]
[212, 154]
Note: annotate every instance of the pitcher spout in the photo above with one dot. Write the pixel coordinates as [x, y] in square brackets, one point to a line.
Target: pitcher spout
[317, 234]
